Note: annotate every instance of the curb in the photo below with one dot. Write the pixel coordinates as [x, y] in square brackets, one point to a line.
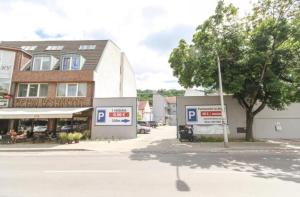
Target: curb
[42, 150]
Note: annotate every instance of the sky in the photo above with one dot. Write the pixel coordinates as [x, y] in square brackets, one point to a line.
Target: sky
[146, 30]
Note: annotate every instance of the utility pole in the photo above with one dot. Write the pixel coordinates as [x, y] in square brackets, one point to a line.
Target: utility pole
[222, 104]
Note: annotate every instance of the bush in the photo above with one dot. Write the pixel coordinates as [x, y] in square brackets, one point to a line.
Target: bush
[86, 134]
[63, 137]
[77, 136]
[70, 137]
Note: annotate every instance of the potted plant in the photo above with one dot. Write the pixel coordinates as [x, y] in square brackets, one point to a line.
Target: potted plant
[63, 137]
[70, 138]
[86, 134]
[77, 136]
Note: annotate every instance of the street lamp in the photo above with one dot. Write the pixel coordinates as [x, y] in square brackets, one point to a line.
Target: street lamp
[222, 104]
[197, 52]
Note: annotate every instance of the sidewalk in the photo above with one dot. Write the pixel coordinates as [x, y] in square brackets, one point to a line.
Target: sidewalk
[160, 140]
[161, 146]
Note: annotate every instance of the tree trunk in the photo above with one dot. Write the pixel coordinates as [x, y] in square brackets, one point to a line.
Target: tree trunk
[249, 126]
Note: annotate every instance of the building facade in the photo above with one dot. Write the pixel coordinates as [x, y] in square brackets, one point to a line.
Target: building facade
[164, 109]
[53, 83]
[201, 111]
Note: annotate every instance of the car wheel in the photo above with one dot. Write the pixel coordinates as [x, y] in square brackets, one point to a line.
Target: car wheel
[143, 131]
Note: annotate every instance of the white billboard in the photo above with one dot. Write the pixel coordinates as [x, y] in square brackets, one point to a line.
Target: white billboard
[114, 116]
[204, 115]
[7, 61]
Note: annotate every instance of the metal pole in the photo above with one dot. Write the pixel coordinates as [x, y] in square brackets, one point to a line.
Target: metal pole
[222, 104]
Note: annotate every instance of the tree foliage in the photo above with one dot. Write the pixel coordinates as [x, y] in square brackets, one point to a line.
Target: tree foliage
[259, 55]
[147, 95]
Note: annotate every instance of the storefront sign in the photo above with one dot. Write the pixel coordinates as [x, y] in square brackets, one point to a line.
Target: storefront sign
[204, 115]
[114, 116]
[7, 60]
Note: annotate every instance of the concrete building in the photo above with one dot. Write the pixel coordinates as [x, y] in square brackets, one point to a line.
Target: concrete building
[201, 111]
[164, 109]
[52, 84]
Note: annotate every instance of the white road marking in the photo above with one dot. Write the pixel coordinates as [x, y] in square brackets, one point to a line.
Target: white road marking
[82, 171]
[220, 172]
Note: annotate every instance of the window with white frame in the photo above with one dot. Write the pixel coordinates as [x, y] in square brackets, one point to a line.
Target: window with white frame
[28, 48]
[87, 47]
[54, 48]
[41, 63]
[32, 90]
[71, 62]
[71, 90]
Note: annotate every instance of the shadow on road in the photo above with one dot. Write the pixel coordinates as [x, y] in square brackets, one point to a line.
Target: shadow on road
[180, 184]
[262, 164]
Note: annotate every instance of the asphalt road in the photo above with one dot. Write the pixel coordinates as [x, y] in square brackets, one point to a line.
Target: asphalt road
[150, 172]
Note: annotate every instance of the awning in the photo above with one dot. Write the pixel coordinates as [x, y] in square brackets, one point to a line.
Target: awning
[37, 113]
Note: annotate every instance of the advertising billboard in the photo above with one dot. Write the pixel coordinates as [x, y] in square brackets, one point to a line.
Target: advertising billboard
[204, 115]
[114, 116]
[7, 61]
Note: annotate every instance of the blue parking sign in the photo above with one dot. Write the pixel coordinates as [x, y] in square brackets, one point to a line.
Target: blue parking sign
[192, 115]
[101, 116]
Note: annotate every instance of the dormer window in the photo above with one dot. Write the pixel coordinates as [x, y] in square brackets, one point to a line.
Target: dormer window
[43, 63]
[72, 62]
[54, 48]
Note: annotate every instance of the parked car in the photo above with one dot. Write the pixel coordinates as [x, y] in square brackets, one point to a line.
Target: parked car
[143, 128]
[144, 123]
[160, 124]
[39, 128]
[153, 124]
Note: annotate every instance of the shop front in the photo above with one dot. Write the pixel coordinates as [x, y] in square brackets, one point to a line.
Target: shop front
[50, 120]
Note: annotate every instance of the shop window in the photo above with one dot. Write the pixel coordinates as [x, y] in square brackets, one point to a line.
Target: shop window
[30, 125]
[77, 124]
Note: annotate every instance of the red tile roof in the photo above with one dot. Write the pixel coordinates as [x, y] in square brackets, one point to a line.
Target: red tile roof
[142, 105]
[171, 100]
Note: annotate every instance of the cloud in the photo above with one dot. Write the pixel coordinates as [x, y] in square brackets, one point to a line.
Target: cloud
[145, 30]
[167, 39]
[152, 12]
[41, 33]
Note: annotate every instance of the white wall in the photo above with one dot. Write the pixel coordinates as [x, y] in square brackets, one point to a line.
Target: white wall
[289, 119]
[129, 82]
[147, 116]
[107, 74]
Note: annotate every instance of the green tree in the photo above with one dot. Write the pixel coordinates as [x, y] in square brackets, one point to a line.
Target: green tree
[147, 95]
[259, 56]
